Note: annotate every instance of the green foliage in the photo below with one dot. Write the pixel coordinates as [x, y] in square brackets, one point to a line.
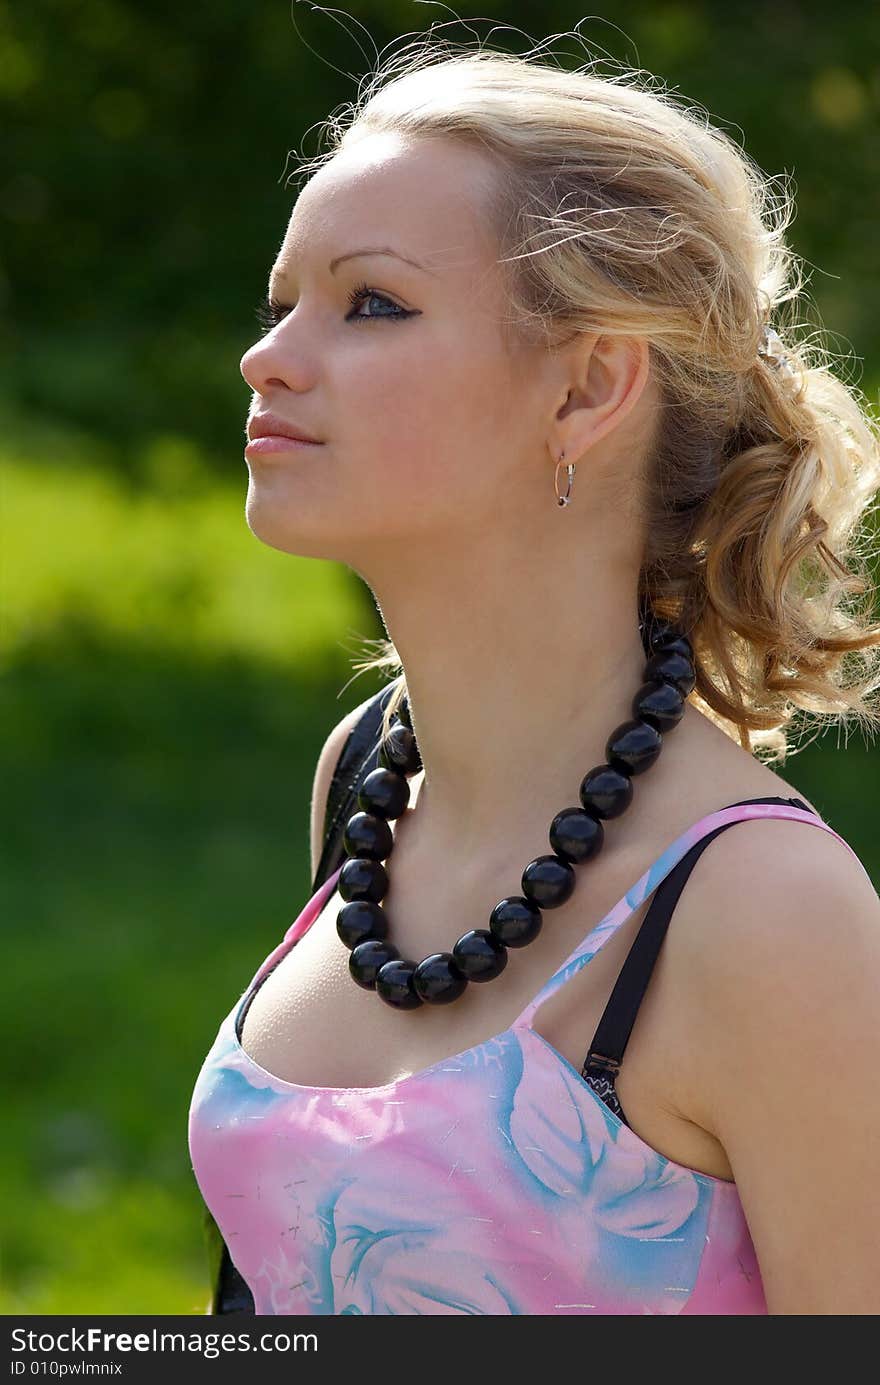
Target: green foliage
[151, 151]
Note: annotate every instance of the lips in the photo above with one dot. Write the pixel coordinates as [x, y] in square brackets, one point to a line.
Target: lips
[271, 425]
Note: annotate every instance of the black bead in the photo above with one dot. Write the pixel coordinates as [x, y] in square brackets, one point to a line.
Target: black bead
[479, 956]
[576, 835]
[368, 958]
[360, 878]
[674, 643]
[515, 921]
[548, 881]
[662, 704]
[660, 631]
[633, 746]
[438, 980]
[394, 984]
[360, 920]
[367, 835]
[399, 751]
[384, 793]
[673, 668]
[605, 791]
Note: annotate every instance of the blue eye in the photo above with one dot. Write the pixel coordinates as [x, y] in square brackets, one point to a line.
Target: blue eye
[269, 313]
[364, 293]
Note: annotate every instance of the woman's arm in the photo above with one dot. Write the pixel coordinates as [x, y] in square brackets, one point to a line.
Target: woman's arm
[780, 942]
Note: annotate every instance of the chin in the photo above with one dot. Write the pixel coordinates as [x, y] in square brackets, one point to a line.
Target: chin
[290, 527]
[268, 522]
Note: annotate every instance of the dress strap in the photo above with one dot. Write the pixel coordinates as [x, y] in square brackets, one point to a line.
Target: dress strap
[654, 876]
[613, 1031]
[304, 920]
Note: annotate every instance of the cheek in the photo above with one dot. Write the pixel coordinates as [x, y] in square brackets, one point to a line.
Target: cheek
[435, 416]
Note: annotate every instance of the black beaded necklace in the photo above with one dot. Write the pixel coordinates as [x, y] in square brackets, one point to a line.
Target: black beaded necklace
[576, 835]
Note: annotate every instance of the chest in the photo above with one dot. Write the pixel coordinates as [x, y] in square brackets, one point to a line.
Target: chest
[495, 1183]
[308, 1022]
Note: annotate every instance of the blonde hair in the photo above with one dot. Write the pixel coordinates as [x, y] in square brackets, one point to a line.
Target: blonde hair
[621, 210]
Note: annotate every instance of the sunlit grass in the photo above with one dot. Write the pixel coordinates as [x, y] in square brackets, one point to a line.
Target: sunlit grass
[103, 1244]
[172, 564]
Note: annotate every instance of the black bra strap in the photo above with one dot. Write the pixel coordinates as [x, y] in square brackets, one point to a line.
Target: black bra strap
[614, 1028]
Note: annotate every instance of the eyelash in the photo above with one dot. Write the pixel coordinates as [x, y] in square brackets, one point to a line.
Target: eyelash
[269, 313]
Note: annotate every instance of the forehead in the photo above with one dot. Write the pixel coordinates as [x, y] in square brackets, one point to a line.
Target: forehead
[426, 198]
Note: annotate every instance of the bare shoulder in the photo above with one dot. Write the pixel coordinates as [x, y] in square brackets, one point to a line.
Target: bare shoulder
[778, 923]
[777, 948]
[769, 890]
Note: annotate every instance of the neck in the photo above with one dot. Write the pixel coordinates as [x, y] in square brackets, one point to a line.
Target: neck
[516, 680]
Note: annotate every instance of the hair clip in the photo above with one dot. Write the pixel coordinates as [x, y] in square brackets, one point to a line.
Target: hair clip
[774, 353]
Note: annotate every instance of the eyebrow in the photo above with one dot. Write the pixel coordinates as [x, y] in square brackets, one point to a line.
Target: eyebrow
[374, 250]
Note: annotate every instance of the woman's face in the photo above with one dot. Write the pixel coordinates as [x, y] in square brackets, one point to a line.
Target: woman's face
[424, 415]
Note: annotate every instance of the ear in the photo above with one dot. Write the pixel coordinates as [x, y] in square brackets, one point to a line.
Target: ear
[605, 378]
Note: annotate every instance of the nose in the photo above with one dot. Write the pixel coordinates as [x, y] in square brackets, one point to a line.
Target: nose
[248, 365]
[273, 361]
[256, 365]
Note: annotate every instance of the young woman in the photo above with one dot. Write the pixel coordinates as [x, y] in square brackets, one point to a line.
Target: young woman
[519, 375]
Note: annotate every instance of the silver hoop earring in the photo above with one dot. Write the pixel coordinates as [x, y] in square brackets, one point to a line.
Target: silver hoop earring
[570, 466]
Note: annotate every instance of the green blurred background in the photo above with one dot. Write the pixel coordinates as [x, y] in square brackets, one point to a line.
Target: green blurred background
[167, 679]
